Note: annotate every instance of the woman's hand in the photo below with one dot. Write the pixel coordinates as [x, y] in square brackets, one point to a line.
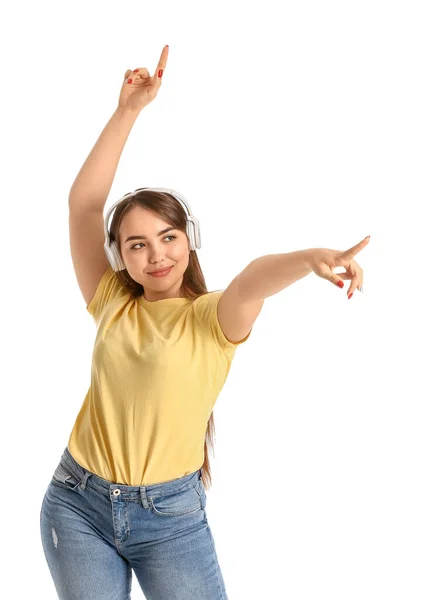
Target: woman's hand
[139, 88]
[322, 262]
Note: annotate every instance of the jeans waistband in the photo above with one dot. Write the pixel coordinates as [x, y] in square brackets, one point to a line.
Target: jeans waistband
[128, 491]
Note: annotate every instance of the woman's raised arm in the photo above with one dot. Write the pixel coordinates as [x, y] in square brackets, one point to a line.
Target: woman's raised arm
[90, 190]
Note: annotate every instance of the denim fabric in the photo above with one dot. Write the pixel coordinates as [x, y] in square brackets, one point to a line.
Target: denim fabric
[95, 532]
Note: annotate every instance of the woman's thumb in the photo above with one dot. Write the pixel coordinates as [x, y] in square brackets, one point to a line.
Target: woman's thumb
[337, 281]
[334, 278]
[127, 73]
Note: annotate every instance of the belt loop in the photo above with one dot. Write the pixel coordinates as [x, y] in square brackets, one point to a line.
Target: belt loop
[84, 480]
[145, 502]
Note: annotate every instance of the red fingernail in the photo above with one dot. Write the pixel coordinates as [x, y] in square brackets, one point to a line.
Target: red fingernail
[129, 80]
[350, 296]
[160, 73]
[136, 71]
[340, 284]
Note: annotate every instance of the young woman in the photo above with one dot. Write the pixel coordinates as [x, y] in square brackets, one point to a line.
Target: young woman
[129, 492]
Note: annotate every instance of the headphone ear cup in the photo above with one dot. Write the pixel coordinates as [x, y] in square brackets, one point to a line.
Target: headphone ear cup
[190, 234]
[110, 256]
[114, 257]
[120, 264]
[193, 231]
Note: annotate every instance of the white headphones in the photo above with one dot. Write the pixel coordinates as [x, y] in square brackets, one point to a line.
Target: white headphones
[192, 227]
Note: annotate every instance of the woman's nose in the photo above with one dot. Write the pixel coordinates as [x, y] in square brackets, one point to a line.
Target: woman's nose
[156, 255]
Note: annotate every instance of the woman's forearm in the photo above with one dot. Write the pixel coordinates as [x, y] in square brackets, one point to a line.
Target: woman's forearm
[268, 275]
[94, 180]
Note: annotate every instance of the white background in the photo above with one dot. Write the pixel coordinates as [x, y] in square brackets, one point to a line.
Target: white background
[286, 126]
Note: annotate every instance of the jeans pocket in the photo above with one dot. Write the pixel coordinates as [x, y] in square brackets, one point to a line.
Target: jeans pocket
[199, 488]
[63, 478]
[183, 502]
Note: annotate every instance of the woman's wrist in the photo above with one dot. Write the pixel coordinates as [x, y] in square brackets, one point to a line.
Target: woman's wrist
[127, 114]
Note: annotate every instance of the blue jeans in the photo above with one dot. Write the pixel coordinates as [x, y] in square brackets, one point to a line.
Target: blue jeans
[94, 532]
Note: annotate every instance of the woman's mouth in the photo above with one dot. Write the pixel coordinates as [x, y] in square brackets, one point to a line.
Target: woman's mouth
[161, 273]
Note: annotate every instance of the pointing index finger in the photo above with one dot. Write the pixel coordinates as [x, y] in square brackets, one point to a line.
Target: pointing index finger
[163, 59]
[351, 252]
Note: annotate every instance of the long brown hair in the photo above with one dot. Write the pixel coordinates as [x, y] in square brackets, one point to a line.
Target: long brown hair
[193, 284]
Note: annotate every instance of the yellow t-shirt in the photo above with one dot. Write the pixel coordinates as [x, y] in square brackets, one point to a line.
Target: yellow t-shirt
[157, 370]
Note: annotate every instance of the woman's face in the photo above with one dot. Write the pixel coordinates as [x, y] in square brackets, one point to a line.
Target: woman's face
[149, 251]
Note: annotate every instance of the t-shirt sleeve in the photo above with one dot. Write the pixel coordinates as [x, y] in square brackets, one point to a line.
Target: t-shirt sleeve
[206, 312]
[109, 287]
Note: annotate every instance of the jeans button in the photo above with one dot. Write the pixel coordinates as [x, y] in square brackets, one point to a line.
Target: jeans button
[116, 492]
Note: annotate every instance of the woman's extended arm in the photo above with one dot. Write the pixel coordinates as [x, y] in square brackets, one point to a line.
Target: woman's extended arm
[241, 302]
[268, 275]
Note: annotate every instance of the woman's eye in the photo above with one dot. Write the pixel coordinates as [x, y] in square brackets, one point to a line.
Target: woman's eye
[141, 243]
